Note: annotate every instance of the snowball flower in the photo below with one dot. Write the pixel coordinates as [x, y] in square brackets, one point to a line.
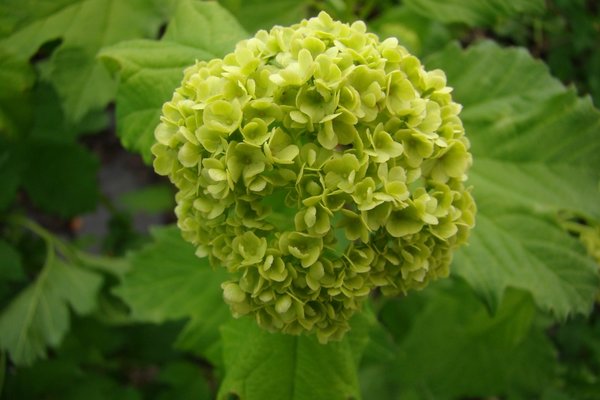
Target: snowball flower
[317, 164]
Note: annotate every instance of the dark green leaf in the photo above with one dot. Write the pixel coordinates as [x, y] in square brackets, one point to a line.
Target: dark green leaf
[11, 167]
[61, 178]
[2, 370]
[186, 382]
[450, 347]
[49, 122]
[10, 263]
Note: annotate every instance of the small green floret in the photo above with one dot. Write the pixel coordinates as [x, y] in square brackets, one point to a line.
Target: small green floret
[316, 164]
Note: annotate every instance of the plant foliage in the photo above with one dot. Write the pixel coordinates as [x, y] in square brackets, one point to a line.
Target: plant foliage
[94, 309]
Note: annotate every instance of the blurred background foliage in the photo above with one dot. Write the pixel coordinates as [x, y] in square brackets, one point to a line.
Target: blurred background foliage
[76, 207]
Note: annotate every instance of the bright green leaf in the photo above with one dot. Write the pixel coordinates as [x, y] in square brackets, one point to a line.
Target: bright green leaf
[263, 365]
[525, 251]
[150, 70]
[39, 316]
[167, 281]
[536, 152]
[474, 12]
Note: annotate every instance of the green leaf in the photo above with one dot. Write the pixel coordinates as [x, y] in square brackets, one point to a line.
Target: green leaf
[11, 168]
[151, 70]
[263, 365]
[39, 316]
[167, 281]
[185, 381]
[81, 81]
[17, 77]
[61, 178]
[2, 370]
[418, 34]
[448, 346]
[10, 263]
[16, 15]
[264, 14]
[49, 122]
[474, 12]
[84, 27]
[536, 151]
[522, 250]
[205, 26]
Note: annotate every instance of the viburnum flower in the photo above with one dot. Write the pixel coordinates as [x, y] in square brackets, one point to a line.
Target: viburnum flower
[317, 164]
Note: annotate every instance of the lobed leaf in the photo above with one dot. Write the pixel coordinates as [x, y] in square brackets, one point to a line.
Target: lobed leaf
[448, 346]
[82, 83]
[39, 316]
[525, 251]
[264, 365]
[82, 27]
[150, 70]
[536, 151]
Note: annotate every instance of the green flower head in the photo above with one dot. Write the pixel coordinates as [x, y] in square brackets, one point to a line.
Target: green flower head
[316, 164]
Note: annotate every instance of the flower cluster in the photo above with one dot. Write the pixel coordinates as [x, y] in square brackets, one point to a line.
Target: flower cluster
[317, 164]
